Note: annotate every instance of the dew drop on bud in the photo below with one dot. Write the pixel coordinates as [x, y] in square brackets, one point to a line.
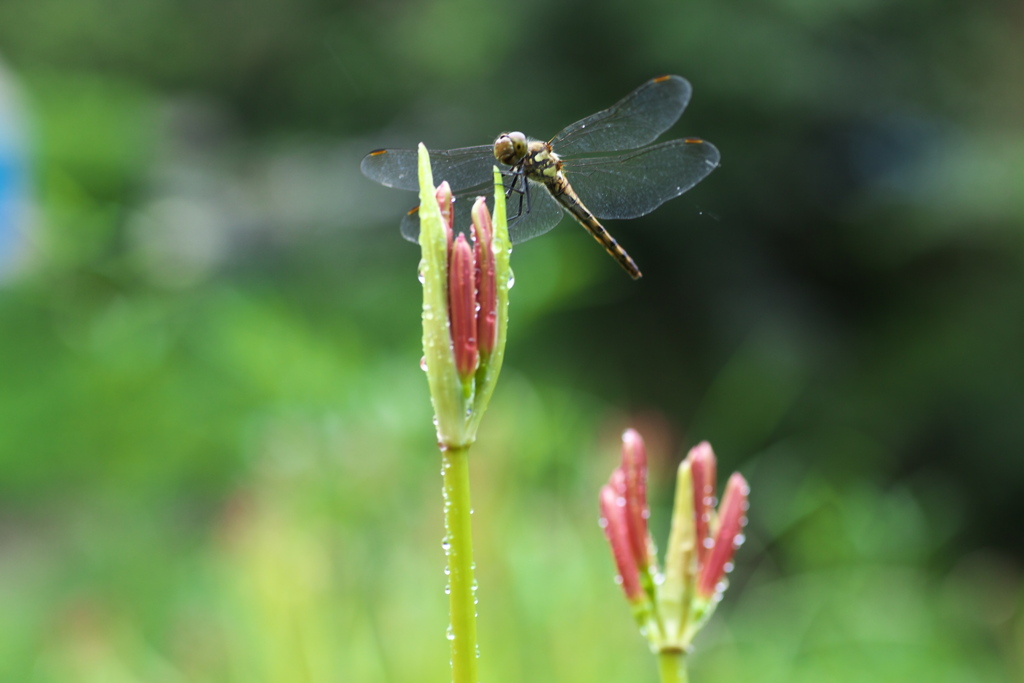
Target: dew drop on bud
[423, 363]
[450, 633]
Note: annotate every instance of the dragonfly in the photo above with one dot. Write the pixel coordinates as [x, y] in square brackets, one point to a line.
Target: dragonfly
[601, 167]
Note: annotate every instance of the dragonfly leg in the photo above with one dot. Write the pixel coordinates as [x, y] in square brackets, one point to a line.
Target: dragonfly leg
[515, 179]
[517, 176]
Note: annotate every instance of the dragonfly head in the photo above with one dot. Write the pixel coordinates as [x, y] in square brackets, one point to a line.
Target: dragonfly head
[510, 148]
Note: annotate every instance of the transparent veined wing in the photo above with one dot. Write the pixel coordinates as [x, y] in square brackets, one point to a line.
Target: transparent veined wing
[544, 214]
[624, 185]
[467, 170]
[634, 121]
[633, 184]
[463, 168]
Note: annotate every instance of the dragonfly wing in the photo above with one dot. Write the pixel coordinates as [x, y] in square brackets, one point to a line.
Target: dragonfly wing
[545, 213]
[468, 171]
[634, 121]
[462, 205]
[463, 168]
[634, 184]
[410, 225]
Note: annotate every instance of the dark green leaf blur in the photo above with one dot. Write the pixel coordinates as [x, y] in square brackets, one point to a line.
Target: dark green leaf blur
[217, 462]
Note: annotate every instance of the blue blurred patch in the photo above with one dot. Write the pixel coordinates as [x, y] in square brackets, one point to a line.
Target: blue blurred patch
[12, 174]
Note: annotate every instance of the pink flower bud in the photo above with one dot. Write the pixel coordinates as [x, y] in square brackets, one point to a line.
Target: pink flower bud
[634, 467]
[462, 307]
[702, 463]
[443, 193]
[613, 520]
[732, 516]
[486, 284]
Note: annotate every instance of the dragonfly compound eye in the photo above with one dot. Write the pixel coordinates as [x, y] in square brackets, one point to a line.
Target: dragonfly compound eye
[510, 148]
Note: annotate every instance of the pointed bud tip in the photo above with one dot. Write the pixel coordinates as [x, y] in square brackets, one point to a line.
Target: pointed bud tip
[443, 194]
[617, 482]
[703, 452]
[739, 483]
[634, 452]
[480, 214]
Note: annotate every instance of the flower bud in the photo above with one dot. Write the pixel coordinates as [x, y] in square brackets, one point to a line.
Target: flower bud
[704, 470]
[462, 307]
[732, 517]
[461, 381]
[634, 468]
[613, 521]
[444, 202]
[486, 284]
[671, 607]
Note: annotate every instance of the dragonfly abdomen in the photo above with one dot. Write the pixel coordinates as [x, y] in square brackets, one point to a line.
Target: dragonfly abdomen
[543, 165]
[562, 191]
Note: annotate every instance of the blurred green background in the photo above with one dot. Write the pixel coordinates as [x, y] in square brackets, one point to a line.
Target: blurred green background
[216, 455]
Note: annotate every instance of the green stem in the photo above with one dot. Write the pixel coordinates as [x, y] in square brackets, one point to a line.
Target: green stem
[461, 585]
[672, 666]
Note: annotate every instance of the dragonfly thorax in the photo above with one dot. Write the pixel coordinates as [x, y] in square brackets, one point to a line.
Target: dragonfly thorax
[541, 163]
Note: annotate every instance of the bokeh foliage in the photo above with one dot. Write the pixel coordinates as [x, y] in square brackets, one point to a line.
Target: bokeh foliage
[216, 456]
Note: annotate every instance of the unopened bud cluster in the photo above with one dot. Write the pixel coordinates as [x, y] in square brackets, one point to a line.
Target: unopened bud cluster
[465, 305]
[472, 290]
[671, 606]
